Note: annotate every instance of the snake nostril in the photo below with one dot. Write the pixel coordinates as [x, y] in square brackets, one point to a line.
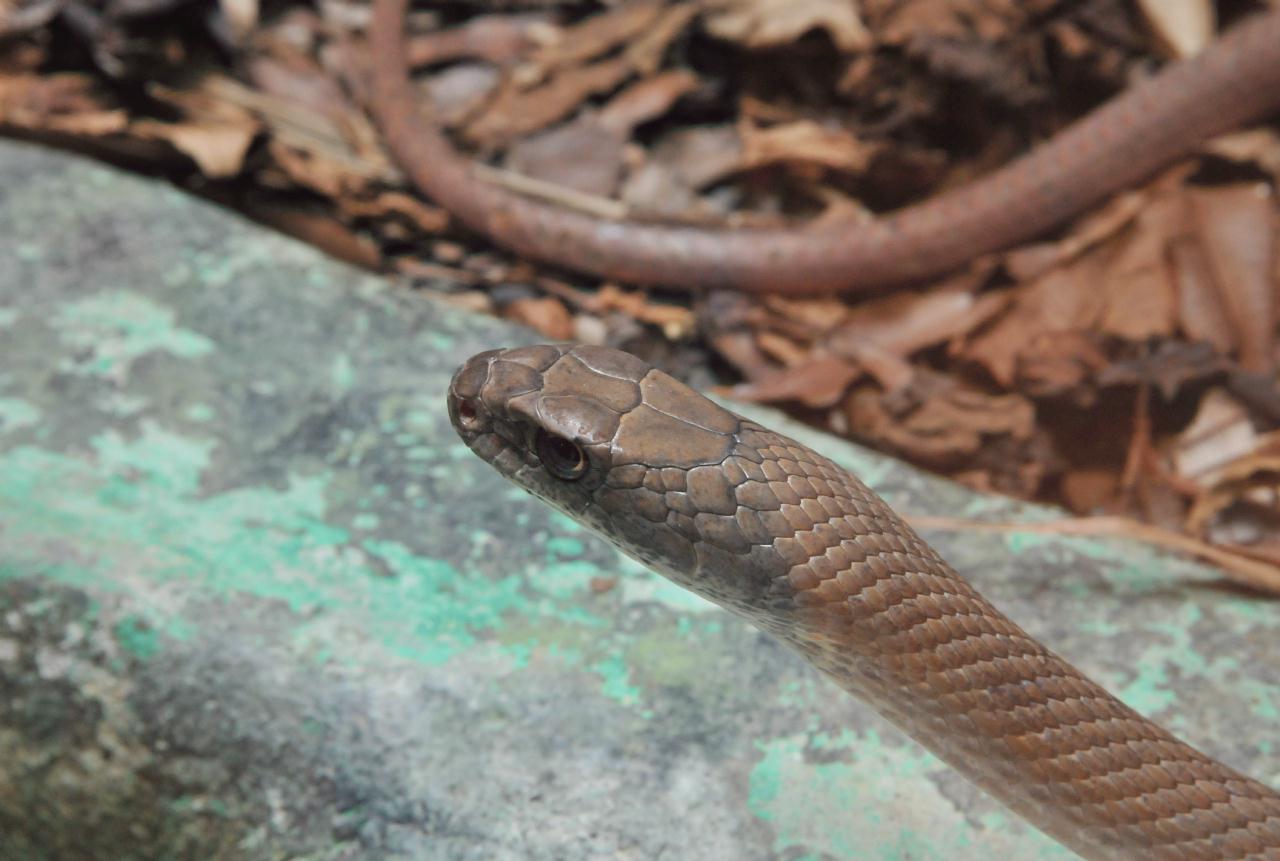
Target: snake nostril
[468, 414]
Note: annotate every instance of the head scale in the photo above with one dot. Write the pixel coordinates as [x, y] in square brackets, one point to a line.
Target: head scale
[623, 448]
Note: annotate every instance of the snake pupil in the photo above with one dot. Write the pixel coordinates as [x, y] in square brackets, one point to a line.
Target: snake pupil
[563, 458]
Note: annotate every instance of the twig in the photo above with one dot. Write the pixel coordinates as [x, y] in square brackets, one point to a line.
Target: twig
[1239, 569]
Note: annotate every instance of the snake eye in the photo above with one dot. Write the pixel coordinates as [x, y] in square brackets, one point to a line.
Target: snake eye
[563, 458]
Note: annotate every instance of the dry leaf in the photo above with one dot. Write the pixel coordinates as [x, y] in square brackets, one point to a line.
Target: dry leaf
[1182, 27]
[391, 204]
[676, 321]
[515, 112]
[1089, 489]
[1059, 364]
[677, 167]
[546, 315]
[218, 149]
[907, 322]
[1201, 311]
[1249, 481]
[595, 35]
[68, 103]
[645, 101]
[318, 229]
[583, 155]
[938, 419]
[18, 17]
[984, 19]
[1141, 300]
[495, 39]
[770, 23]
[646, 53]
[1258, 146]
[1235, 226]
[820, 381]
[805, 142]
[241, 17]
[460, 91]
[1220, 433]
[1062, 300]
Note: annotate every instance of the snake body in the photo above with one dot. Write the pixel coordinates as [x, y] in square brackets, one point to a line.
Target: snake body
[1236, 80]
[779, 534]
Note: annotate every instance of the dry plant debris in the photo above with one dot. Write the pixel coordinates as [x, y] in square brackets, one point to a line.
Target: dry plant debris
[1124, 366]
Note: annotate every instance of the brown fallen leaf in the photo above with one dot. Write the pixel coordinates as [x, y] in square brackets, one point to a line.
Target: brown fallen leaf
[1220, 433]
[461, 91]
[1064, 299]
[905, 323]
[786, 350]
[1027, 262]
[17, 18]
[218, 149]
[819, 381]
[338, 141]
[1141, 300]
[1182, 27]
[805, 143]
[1201, 313]
[666, 184]
[647, 51]
[495, 39]
[241, 17]
[299, 81]
[594, 36]
[645, 101]
[771, 23]
[802, 319]
[315, 170]
[990, 21]
[515, 112]
[396, 204]
[584, 155]
[546, 315]
[1062, 365]
[938, 419]
[1258, 147]
[1235, 226]
[1088, 488]
[1249, 480]
[318, 229]
[70, 103]
[675, 321]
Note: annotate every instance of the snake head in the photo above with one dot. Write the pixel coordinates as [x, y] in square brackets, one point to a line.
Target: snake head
[539, 417]
[623, 448]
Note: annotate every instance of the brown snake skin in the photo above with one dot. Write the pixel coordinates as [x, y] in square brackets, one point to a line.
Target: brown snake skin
[1235, 81]
[777, 533]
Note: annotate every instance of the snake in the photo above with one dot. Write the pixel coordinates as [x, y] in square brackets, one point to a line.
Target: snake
[1234, 81]
[772, 531]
